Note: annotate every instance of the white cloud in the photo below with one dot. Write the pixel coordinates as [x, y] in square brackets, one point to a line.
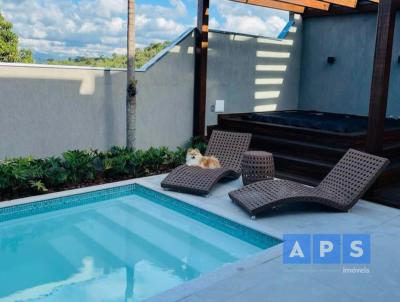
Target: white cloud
[176, 8]
[116, 25]
[255, 25]
[66, 27]
[109, 40]
[86, 27]
[90, 27]
[39, 33]
[250, 19]
[213, 23]
[107, 8]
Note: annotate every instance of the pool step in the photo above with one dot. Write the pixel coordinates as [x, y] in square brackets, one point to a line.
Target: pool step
[186, 227]
[24, 261]
[140, 277]
[75, 250]
[186, 249]
[129, 248]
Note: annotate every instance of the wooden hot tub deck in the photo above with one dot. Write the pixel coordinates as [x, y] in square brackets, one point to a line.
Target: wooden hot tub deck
[307, 155]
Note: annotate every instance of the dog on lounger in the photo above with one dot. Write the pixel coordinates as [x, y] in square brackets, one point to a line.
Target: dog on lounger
[195, 158]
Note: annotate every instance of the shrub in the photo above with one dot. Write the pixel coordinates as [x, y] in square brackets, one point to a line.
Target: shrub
[28, 176]
[21, 174]
[79, 166]
[55, 175]
[118, 163]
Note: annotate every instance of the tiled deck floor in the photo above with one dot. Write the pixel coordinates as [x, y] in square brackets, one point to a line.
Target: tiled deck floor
[271, 280]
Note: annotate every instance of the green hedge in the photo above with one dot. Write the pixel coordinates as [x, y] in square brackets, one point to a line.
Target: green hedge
[27, 176]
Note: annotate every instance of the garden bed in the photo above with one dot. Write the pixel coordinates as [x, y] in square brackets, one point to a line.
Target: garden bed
[27, 176]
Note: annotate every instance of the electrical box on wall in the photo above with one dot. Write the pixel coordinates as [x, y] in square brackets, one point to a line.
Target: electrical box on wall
[331, 60]
[219, 106]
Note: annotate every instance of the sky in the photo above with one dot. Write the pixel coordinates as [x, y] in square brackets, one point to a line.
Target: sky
[69, 28]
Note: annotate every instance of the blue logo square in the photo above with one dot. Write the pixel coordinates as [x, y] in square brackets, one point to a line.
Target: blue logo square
[326, 249]
[297, 249]
[357, 249]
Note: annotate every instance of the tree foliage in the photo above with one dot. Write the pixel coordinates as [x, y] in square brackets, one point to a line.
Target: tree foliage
[9, 51]
[115, 61]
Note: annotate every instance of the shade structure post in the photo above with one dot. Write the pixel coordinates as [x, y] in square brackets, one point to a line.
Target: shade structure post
[381, 75]
[200, 78]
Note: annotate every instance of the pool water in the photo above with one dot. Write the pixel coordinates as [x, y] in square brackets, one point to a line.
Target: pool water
[125, 246]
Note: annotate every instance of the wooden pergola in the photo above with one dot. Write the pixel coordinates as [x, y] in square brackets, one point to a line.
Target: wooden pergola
[314, 8]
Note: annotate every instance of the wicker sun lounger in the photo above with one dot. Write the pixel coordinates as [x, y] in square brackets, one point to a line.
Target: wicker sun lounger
[341, 189]
[228, 147]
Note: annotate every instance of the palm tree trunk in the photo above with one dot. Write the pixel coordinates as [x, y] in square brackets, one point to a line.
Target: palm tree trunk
[131, 82]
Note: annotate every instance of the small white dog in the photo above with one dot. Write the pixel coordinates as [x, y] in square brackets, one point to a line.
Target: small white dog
[195, 158]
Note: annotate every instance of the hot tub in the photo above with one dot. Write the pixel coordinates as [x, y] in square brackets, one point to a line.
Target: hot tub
[332, 122]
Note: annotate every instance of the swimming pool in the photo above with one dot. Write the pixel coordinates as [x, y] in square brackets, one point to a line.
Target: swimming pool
[117, 244]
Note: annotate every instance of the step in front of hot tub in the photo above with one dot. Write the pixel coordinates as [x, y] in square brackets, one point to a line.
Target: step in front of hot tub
[345, 140]
[388, 195]
[317, 170]
[309, 181]
[309, 169]
[392, 151]
[298, 148]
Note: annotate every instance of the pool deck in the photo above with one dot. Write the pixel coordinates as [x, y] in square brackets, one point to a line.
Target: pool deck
[264, 277]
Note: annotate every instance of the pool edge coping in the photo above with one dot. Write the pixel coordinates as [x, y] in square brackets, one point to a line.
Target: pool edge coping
[140, 181]
[66, 193]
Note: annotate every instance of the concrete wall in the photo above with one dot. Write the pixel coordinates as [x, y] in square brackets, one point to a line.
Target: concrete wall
[343, 87]
[45, 110]
[253, 73]
[165, 100]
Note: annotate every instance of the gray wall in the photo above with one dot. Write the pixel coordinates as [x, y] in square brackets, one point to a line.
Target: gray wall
[165, 100]
[240, 72]
[45, 110]
[343, 87]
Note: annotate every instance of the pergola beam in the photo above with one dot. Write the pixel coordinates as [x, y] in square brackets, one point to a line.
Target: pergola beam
[346, 3]
[335, 10]
[381, 75]
[300, 6]
[310, 4]
[275, 4]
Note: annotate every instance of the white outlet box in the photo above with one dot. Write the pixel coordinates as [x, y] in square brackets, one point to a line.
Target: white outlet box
[219, 106]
